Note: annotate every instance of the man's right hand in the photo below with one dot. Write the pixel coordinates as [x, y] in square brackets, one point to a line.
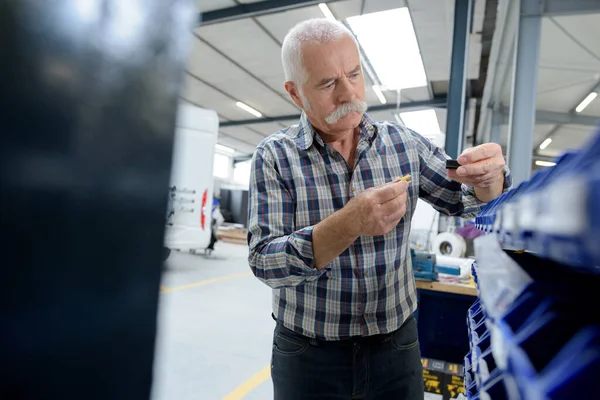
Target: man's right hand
[377, 210]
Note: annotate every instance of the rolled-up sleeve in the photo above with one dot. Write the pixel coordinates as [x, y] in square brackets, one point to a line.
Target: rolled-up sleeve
[444, 194]
[279, 254]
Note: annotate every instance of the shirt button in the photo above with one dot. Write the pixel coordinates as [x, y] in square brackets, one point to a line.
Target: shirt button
[365, 274]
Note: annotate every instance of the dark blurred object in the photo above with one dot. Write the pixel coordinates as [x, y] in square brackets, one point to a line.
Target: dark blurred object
[89, 91]
[234, 206]
[469, 232]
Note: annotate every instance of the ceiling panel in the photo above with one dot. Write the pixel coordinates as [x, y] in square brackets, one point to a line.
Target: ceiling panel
[441, 116]
[565, 99]
[250, 46]
[568, 137]
[235, 144]
[540, 133]
[550, 80]
[269, 128]
[474, 57]
[279, 24]
[593, 109]
[276, 82]
[434, 34]
[209, 5]
[201, 94]
[557, 49]
[211, 67]
[585, 29]
[416, 94]
[385, 115]
[243, 133]
[351, 8]
[478, 13]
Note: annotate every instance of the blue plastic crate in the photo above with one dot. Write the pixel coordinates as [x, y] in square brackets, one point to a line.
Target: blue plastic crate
[556, 213]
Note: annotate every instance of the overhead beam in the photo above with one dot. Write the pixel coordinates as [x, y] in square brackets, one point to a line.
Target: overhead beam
[257, 9]
[556, 118]
[553, 8]
[410, 106]
[455, 118]
[524, 87]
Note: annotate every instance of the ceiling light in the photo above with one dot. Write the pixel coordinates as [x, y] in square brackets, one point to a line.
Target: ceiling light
[249, 109]
[379, 94]
[424, 122]
[590, 97]
[545, 143]
[545, 163]
[224, 149]
[326, 11]
[389, 41]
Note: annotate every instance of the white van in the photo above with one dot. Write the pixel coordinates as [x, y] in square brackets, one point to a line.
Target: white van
[189, 220]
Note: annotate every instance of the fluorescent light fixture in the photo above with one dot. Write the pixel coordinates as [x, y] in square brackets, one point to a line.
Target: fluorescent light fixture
[545, 143]
[224, 149]
[389, 41]
[424, 122]
[326, 11]
[248, 109]
[379, 94]
[586, 102]
[545, 163]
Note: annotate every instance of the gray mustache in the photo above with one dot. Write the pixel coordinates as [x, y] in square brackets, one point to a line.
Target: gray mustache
[344, 109]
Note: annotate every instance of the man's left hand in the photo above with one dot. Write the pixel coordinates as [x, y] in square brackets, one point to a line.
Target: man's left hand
[481, 167]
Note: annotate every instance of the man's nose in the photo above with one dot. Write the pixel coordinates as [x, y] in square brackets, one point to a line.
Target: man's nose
[345, 91]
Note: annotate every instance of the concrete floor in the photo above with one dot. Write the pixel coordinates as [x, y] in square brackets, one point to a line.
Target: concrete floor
[214, 328]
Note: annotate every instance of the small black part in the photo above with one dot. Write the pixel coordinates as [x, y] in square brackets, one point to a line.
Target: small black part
[452, 164]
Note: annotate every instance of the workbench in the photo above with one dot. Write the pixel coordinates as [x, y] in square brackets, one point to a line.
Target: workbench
[441, 319]
[457, 288]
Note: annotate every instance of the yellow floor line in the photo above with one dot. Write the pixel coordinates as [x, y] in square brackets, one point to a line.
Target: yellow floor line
[212, 280]
[241, 391]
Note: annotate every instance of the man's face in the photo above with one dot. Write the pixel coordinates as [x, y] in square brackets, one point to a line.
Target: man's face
[334, 78]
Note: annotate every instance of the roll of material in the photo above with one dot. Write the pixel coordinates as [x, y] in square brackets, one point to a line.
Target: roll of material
[449, 244]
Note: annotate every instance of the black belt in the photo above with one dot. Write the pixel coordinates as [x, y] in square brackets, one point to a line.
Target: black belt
[351, 341]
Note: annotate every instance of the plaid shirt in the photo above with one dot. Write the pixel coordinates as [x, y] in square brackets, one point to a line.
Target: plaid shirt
[297, 181]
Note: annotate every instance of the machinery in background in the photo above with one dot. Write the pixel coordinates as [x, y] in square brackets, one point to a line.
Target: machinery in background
[425, 267]
[189, 216]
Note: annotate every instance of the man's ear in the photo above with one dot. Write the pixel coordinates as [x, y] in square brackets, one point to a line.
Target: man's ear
[292, 90]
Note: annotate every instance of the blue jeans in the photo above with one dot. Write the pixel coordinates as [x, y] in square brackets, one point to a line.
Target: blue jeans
[381, 367]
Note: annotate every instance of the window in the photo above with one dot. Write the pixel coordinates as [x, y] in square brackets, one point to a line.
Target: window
[221, 166]
[241, 173]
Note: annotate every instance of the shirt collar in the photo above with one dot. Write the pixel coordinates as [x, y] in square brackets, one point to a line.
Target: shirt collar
[308, 134]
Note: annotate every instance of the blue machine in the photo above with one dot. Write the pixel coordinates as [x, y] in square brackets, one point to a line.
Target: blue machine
[425, 267]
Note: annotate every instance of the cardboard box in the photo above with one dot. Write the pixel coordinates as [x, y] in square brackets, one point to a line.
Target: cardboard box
[434, 372]
[442, 380]
[454, 383]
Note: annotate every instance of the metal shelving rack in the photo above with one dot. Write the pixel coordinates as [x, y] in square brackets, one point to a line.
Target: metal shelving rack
[534, 331]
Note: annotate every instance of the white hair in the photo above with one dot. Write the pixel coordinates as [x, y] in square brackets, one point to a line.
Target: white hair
[317, 31]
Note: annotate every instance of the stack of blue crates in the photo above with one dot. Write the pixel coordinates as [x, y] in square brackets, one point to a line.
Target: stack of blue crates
[556, 213]
[545, 345]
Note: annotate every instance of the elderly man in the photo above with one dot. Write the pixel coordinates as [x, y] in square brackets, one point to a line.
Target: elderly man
[329, 224]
